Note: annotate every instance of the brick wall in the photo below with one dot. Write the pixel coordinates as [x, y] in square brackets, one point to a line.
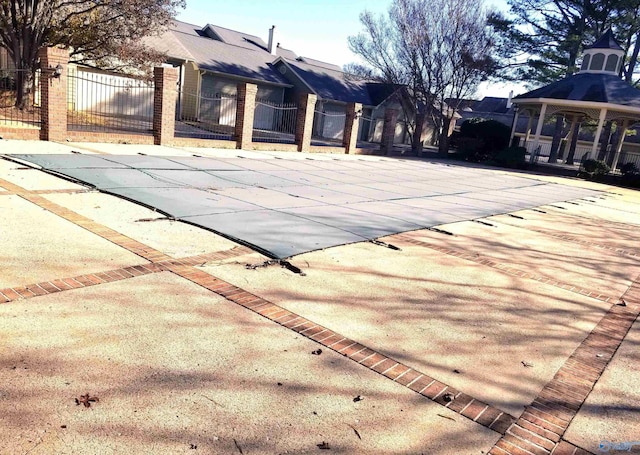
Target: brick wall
[244, 115]
[53, 92]
[164, 104]
[54, 104]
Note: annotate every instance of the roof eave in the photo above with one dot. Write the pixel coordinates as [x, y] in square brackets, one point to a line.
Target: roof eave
[582, 104]
[246, 79]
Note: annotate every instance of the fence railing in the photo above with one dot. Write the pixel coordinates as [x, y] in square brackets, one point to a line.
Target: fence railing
[205, 116]
[274, 122]
[19, 98]
[109, 103]
[328, 126]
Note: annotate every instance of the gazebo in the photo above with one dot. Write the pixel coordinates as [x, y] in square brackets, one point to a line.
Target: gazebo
[596, 92]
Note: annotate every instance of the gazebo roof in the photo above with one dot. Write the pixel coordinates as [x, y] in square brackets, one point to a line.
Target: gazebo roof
[606, 41]
[591, 87]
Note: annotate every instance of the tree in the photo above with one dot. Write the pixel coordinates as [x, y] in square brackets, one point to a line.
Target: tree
[105, 33]
[438, 49]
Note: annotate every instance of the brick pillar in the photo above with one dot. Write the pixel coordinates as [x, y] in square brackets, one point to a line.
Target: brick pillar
[53, 93]
[164, 104]
[389, 130]
[351, 126]
[244, 114]
[304, 121]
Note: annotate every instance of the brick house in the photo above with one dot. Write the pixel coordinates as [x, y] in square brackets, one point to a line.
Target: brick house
[213, 60]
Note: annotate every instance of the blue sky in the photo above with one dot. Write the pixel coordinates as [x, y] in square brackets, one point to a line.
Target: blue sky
[311, 28]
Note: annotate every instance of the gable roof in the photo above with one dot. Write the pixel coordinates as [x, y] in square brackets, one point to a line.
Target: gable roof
[235, 54]
[329, 84]
[592, 87]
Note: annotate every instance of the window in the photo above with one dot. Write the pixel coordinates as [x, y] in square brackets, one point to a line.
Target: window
[585, 62]
[598, 62]
[612, 63]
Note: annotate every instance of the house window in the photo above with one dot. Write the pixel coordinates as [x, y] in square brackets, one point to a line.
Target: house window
[585, 62]
[598, 62]
[612, 63]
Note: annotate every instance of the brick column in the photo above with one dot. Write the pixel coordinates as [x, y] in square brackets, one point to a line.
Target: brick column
[389, 130]
[304, 121]
[351, 126]
[53, 94]
[244, 114]
[164, 104]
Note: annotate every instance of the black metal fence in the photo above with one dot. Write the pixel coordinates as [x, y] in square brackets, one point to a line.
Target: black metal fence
[328, 125]
[205, 116]
[19, 98]
[109, 103]
[274, 122]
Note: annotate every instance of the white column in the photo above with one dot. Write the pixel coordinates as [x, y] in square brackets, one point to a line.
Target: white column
[527, 136]
[594, 148]
[536, 140]
[623, 130]
[513, 127]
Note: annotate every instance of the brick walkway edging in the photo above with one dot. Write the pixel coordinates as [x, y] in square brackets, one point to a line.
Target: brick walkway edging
[540, 429]
[457, 401]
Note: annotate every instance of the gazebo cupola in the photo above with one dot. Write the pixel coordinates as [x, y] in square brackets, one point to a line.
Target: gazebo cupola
[604, 56]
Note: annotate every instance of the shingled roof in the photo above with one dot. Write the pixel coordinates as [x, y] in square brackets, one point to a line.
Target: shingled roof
[592, 87]
[216, 49]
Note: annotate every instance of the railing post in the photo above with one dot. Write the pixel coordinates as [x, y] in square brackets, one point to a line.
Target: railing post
[244, 114]
[164, 104]
[351, 126]
[389, 130]
[53, 93]
[304, 121]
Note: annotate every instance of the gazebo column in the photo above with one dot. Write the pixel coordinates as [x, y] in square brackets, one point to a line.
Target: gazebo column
[527, 135]
[514, 126]
[536, 140]
[596, 141]
[573, 134]
[622, 134]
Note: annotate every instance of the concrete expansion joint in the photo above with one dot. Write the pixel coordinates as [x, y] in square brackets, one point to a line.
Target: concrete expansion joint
[505, 268]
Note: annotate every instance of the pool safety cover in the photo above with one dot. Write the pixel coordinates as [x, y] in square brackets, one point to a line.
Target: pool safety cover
[284, 207]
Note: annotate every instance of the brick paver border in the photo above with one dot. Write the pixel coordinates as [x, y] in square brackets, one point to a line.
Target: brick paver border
[540, 428]
[439, 392]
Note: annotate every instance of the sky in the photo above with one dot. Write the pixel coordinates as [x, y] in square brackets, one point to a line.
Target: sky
[312, 28]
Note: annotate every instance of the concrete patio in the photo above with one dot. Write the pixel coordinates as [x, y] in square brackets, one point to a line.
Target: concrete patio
[499, 335]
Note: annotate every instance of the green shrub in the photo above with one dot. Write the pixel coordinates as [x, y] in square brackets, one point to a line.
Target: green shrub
[471, 148]
[513, 157]
[595, 167]
[629, 169]
[491, 135]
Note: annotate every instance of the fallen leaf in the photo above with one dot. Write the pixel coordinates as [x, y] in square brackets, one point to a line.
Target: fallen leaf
[86, 400]
[447, 397]
[238, 446]
[324, 446]
[526, 364]
[358, 398]
[317, 352]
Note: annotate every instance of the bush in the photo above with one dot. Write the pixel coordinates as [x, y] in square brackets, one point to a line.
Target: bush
[490, 138]
[593, 168]
[513, 157]
[629, 169]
